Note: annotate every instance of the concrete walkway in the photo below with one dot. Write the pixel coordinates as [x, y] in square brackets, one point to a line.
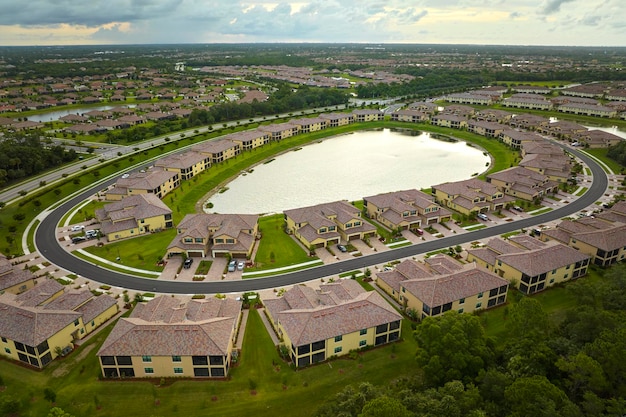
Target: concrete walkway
[242, 328]
[268, 326]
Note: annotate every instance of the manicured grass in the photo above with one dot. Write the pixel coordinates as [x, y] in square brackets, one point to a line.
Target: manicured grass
[113, 267]
[276, 248]
[556, 301]
[278, 388]
[204, 267]
[141, 252]
[87, 212]
[601, 154]
[582, 191]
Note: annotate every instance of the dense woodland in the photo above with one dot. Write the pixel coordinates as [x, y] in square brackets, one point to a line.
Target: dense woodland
[575, 368]
[22, 156]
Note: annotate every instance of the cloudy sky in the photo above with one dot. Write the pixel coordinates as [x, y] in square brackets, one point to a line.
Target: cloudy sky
[507, 22]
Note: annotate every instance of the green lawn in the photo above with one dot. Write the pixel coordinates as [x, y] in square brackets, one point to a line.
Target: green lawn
[87, 212]
[276, 248]
[600, 153]
[141, 252]
[277, 387]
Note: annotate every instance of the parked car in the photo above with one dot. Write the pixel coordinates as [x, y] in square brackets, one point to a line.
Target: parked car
[77, 228]
[78, 239]
[232, 265]
[187, 263]
[518, 208]
[482, 216]
[90, 234]
[240, 266]
[419, 232]
[342, 248]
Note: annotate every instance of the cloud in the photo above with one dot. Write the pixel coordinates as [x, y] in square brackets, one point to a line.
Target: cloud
[91, 14]
[514, 15]
[553, 6]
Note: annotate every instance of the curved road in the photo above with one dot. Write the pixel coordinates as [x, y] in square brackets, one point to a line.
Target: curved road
[49, 248]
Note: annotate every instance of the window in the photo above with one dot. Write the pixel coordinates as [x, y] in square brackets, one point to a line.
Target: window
[338, 349]
[176, 358]
[362, 332]
[4, 339]
[198, 240]
[480, 295]
[76, 322]
[148, 370]
[338, 338]
[460, 310]
[479, 305]
[462, 301]
[362, 343]
[178, 370]
[230, 240]
[7, 350]
[146, 358]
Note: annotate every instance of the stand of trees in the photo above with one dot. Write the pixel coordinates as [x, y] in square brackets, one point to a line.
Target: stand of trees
[282, 100]
[618, 153]
[22, 156]
[576, 368]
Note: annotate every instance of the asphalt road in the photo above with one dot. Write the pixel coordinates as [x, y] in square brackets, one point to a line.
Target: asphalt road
[50, 249]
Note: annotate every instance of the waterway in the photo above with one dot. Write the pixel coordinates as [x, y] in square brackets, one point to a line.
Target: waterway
[349, 167]
[55, 115]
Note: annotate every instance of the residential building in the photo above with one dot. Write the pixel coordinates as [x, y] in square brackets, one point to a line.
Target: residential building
[12, 279]
[368, 115]
[326, 224]
[520, 182]
[484, 128]
[338, 318]
[412, 116]
[526, 101]
[587, 109]
[309, 124]
[155, 181]
[493, 115]
[249, 139]
[596, 138]
[408, 209]
[471, 289]
[556, 167]
[515, 138]
[133, 216]
[43, 322]
[604, 242]
[338, 119]
[279, 131]
[530, 264]
[449, 120]
[167, 337]
[469, 98]
[187, 164]
[218, 150]
[470, 196]
[215, 235]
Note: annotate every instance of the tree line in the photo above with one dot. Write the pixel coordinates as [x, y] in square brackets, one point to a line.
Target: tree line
[22, 156]
[281, 101]
[574, 368]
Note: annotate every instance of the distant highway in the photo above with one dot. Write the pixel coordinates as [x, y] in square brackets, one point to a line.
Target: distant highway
[50, 249]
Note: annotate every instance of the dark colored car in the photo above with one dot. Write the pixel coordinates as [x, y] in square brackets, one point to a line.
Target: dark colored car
[187, 263]
[342, 248]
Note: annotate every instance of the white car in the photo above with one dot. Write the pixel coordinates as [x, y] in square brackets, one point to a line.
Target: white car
[77, 228]
[240, 266]
[482, 216]
[125, 175]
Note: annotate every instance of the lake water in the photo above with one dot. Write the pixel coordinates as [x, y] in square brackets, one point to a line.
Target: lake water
[349, 167]
[57, 114]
